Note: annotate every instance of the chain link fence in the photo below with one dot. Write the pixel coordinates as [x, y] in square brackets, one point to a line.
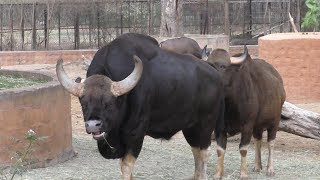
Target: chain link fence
[55, 25]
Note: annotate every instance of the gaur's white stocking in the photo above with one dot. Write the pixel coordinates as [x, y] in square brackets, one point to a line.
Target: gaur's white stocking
[200, 160]
[257, 159]
[243, 167]
[270, 171]
[127, 164]
[220, 167]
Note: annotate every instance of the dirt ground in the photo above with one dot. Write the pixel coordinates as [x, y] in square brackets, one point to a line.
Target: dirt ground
[295, 157]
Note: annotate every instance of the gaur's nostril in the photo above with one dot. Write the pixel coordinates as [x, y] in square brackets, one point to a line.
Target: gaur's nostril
[93, 126]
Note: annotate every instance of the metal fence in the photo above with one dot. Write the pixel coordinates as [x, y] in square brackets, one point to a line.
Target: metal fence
[81, 25]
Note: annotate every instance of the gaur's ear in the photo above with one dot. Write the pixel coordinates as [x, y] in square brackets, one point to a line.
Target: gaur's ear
[204, 53]
[208, 51]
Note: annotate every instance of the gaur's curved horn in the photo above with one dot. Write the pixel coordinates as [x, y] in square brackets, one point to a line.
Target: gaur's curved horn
[121, 87]
[240, 59]
[71, 86]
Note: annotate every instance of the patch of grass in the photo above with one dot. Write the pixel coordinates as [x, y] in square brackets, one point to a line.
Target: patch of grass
[9, 81]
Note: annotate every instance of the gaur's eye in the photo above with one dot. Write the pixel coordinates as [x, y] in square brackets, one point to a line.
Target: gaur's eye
[222, 66]
[84, 107]
[107, 105]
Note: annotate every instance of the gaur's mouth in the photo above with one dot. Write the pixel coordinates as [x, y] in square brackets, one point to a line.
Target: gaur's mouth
[98, 135]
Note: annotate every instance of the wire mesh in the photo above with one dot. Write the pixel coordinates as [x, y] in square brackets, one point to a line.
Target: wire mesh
[56, 25]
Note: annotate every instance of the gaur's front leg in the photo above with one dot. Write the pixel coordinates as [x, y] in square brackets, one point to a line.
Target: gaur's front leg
[129, 159]
[127, 163]
[200, 160]
[272, 132]
[257, 135]
[133, 144]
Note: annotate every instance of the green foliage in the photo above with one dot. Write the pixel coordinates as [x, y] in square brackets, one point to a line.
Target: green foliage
[312, 18]
[20, 158]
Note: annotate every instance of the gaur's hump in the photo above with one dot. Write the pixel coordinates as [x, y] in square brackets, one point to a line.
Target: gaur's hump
[136, 36]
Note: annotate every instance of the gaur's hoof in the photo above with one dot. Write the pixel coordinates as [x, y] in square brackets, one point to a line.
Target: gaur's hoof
[193, 178]
[257, 169]
[189, 178]
[217, 177]
[244, 177]
[270, 172]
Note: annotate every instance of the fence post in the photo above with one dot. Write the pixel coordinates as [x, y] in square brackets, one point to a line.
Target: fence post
[11, 28]
[141, 18]
[129, 23]
[226, 18]
[45, 13]
[121, 19]
[34, 30]
[90, 25]
[22, 26]
[281, 16]
[206, 21]
[298, 20]
[250, 18]
[76, 30]
[117, 22]
[98, 23]
[1, 25]
[59, 24]
[149, 17]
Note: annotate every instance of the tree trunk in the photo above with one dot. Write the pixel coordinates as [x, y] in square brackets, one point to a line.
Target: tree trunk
[300, 122]
[265, 18]
[298, 23]
[171, 18]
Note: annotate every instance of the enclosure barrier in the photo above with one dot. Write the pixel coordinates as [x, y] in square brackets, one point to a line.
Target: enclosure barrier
[296, 57]
[43, 108]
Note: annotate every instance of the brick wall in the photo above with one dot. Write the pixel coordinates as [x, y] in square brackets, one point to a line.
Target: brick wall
[8, 58]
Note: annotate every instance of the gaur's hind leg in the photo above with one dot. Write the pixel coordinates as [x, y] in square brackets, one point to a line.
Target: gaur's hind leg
[199, 142]
[272, 132]
[246, 134]
[221, 138]
[257, 135]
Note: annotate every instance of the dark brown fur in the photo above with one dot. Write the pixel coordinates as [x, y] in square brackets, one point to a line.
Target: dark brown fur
[254, 97]
[184, 45]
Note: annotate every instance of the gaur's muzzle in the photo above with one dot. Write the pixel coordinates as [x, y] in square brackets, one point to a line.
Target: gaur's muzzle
[94, 127]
